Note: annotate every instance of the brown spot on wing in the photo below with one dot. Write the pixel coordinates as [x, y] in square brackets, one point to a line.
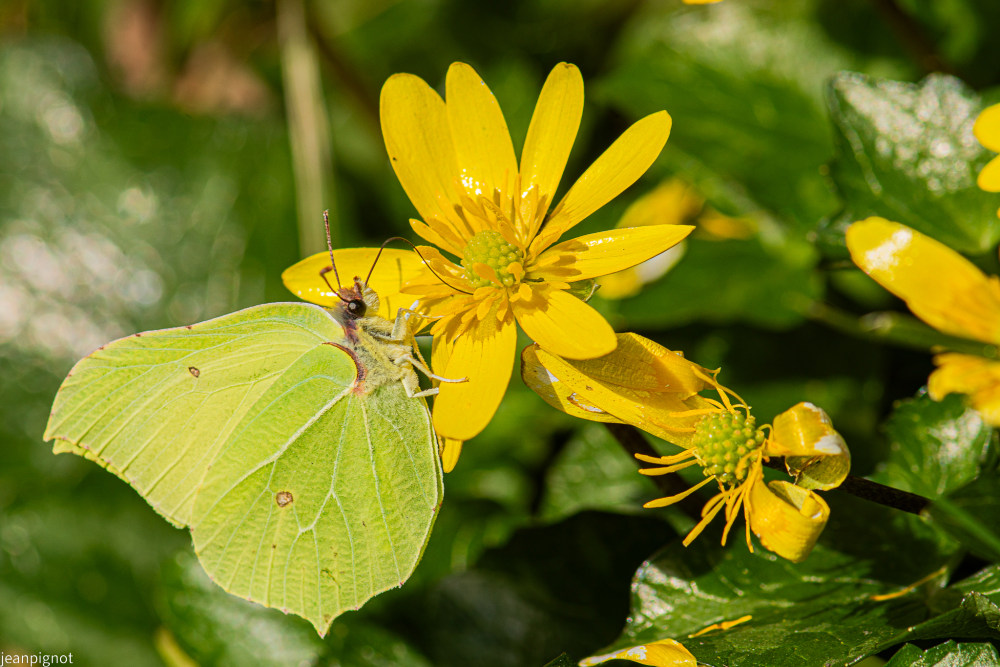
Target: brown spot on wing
[283, 498]
[194, 371]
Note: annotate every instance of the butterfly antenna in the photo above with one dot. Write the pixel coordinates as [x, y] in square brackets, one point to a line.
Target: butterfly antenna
[333, 264]
[422, 258]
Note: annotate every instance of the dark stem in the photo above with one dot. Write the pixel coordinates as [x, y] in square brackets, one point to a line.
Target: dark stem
[633, 442]
[873, 491]
[912, 36]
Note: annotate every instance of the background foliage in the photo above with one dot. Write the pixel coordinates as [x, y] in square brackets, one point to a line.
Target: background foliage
[149, 178]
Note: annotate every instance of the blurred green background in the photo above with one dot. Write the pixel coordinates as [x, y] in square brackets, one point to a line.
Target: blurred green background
[162, 162]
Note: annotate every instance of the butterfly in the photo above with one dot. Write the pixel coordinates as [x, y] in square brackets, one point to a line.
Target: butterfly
[292, 440]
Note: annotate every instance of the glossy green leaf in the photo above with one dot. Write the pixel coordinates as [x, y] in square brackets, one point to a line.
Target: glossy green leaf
[826, 602]
[948, 654]
[972, 515]
[906, 152]
[935, 446]
[310, 481]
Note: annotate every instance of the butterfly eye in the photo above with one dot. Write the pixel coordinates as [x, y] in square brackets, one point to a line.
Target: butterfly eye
[356, 307]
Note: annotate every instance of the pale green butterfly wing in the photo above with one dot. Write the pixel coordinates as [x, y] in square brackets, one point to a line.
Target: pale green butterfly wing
[304, 490]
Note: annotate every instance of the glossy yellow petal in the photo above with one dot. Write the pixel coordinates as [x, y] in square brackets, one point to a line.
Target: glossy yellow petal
[989, 177]
[644, 365]
[661, 653]
[394, 268]
[815, 454]
[482, 142]
[450, 451]
[940, 286]
[564, 324]
[557, 393]
[987, 128]
[670, 415]
[553, 128]
[484, 354]
[974, 376]
[418, 140]
[617, 168]
[599, 254]
[787, 518]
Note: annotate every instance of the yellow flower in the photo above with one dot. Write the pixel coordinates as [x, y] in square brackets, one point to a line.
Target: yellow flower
[987, 131]
[946, 291]
[646, 385]
[456, 162]
[672, 202]
[661, 653]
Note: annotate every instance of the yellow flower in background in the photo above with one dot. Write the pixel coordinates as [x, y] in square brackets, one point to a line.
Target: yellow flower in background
[672, 202]
[987, 131]
[662, 653]
[946, 291]
[646, 385]
[494, 216]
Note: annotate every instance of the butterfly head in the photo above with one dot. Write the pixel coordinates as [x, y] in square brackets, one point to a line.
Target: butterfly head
[358, 301]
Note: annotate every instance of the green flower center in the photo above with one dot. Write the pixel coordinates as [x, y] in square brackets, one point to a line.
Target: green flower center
[490, 248]
[723, 442]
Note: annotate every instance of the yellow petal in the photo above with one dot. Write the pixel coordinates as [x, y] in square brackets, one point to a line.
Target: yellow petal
[553, 128]
[815, 454]
[987, 128]
[564, 386]
[484, 354]
[974, 376]
[661, 653]
[557, 393]
[394, 267]
[418, 140]
[617, 168]
[450, 451]
[564, 324]
[602, 253]
[644, 365]
[989, 177]
[483, 148]
[787, 518]
[940, 286]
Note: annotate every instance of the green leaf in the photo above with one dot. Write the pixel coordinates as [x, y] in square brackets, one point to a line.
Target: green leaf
[214, 628]
[935, 446]
[218, 629]
[726, 281]
[561, 587]
[972, 515]
[826, 603]
[309, 479]
[906, 152]
[743, 86]
[948, 654]
[593, 472]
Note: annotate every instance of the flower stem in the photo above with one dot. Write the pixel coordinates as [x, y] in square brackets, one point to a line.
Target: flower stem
[872, 491]
[633, 442]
